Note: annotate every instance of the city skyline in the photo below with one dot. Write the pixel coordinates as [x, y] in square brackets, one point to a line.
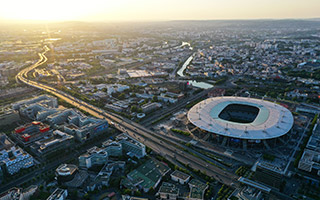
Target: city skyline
[142, 10]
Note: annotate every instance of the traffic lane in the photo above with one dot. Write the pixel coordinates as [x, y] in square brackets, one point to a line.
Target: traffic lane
[101, 116]
[192, 159]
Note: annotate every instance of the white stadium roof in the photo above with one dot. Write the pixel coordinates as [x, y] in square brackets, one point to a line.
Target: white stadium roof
[272, 121]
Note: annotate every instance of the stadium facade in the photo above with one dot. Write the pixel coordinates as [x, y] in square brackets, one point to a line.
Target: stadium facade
[242, 122]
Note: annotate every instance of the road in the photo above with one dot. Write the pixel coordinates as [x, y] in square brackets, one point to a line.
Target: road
[156, 142]
[174, 108]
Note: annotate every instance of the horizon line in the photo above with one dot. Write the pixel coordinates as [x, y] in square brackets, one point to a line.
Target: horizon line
[10, 21]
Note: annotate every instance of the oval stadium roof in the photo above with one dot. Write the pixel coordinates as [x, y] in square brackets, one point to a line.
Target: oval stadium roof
[272, 120]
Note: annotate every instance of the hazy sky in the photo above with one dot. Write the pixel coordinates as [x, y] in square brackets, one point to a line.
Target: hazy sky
[149, 10]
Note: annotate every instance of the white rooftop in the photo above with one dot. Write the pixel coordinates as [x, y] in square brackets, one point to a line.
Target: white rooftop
[272, 121]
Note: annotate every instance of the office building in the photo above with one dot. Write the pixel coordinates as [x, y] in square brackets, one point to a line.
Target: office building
[113, 148]
[269, 174]
[31, 132]
[58, 140]
[8, 116]
[43, 99]
[14, 159]
[77, 124]
[131, 147]
[94, 156]
[70, 176]
[310, 159]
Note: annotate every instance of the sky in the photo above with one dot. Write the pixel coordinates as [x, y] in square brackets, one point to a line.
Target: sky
[156, 10]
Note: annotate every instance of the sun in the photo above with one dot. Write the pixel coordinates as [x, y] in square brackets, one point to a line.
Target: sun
[44, 10]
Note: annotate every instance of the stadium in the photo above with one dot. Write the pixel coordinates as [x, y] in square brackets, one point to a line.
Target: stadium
[242, 122]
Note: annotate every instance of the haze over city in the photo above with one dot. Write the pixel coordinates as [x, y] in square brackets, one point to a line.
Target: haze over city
[150, 99]
[156, 10]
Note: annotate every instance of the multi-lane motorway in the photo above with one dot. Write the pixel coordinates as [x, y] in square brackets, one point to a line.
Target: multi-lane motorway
[156, 142]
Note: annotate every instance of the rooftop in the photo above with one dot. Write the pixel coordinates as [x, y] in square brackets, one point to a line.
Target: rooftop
[149, 173]
[254, 184]
[180, 175]
[169, 188]
[271, 121]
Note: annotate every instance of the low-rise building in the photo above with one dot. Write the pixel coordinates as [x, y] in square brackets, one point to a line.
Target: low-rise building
[58, 194]
[18, 193]
[197, 189]
[15, 159]
[43, 99]
[180, 177]
[77, 124]
[248, 193]
[146, 108]
[8, 116]
[146, 176]
[168, 191]
[31, 132]
[58, 140]
[310, 159]
[70, 176]
[114, 107]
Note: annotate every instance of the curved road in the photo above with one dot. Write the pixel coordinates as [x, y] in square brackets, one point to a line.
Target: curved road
[157, 143]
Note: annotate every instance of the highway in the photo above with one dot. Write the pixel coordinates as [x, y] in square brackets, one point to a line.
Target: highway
[156, 142]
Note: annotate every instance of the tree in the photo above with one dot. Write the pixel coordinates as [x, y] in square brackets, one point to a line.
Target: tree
[86, 196]
[121, 96]
[137, 193]
[127, 191]
[151, 190]
[134, 108]
[155, 99]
